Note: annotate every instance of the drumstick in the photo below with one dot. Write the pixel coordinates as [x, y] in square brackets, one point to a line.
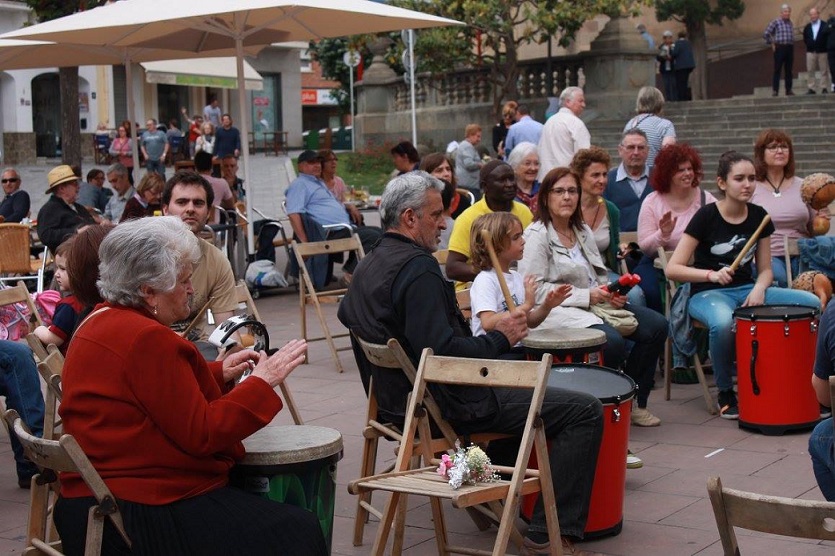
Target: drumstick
[754, 237]
[494, 260]
[197, 317]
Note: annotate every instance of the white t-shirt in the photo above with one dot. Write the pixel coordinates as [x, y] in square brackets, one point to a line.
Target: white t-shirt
[486, 295]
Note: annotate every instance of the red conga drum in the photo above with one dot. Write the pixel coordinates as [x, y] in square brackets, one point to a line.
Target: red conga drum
[615, 391]
[775, 353]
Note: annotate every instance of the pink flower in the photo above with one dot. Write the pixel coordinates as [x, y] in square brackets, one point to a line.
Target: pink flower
[446, 464]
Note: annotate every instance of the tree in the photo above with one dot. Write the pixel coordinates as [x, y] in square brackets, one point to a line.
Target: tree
[696, 15]
[495, 29]
[70, 128]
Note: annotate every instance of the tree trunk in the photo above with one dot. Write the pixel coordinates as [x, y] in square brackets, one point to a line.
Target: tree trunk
[70, 128]
[698, 38]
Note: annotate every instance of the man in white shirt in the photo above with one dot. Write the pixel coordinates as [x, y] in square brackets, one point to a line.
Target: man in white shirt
[564, 133]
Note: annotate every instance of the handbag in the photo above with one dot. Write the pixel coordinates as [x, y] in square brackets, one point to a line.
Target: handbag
[621, 320]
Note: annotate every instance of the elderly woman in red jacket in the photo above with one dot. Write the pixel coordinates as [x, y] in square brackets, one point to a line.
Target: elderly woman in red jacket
[160, 424]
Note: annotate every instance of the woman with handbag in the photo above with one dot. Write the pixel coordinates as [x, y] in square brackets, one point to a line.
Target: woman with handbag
[560, 249]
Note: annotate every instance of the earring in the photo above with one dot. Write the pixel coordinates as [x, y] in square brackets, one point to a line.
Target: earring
[156, 310]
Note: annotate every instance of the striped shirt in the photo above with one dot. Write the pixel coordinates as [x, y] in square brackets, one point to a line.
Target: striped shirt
[779, 31]
[656, 129]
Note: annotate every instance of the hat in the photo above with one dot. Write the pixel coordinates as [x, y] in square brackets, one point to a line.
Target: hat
[309, 156]
[58, 175]
[668, 33]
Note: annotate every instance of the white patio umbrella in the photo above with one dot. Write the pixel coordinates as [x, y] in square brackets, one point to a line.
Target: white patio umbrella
[197, 25]
[28, 54]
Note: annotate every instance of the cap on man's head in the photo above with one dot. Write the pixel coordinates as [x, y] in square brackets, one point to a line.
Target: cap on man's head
[668, 33]
[59, 175]
[309, 156]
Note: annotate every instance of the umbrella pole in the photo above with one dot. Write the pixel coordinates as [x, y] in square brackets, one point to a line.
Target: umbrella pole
[250, 193]
[132, 115]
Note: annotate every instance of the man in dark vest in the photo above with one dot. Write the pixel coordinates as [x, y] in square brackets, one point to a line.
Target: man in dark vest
[399, 291]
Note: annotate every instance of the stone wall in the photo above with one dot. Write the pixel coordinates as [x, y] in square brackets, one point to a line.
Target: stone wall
[19, 148]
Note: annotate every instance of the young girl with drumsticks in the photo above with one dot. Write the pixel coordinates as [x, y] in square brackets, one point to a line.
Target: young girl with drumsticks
[723, 239]
[486, 297]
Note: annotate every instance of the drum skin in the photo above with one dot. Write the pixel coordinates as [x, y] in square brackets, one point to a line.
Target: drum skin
[775, 353]
[615, 391]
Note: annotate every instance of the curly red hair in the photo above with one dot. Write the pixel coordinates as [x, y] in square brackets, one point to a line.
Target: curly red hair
[667, 162]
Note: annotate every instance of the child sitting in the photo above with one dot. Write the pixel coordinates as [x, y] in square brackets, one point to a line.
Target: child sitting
[66, 314]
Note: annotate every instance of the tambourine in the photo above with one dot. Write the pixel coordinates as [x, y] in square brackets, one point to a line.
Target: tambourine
[247, 328]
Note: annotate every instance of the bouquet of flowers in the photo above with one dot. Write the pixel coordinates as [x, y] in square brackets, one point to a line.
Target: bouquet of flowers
[466, 467]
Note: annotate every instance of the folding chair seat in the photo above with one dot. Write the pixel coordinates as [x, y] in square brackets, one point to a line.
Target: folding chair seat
[16, 262]
[671, 286]
[309, 295]
[776, 515]
[53, 457]
[501, 496]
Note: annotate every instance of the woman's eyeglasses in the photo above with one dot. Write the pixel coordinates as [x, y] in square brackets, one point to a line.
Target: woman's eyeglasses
[780, 147]
[560, 191]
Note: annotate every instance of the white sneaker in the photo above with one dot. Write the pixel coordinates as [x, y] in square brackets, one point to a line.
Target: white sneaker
[633, 461]
[641, 417]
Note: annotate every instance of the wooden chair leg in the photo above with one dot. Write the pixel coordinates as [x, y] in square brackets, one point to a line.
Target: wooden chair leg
[440, 526]
[327, 332]
[385, 525]
[95, 533]
[711, 407]
[400, 526]
[668, 368]
[369, 457]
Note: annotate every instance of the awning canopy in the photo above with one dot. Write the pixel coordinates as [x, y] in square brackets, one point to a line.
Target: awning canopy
[204, 72]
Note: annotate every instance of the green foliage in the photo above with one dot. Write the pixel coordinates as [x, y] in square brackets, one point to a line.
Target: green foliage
[693, 12]
[53, 9]
[370, 166]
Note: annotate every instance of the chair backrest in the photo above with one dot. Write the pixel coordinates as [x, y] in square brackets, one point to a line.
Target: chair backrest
[102, 141]
[777, 515]
[328, 247]
[242, 296]
[19, 294]
[37, 346]
[464, 303]
[175, 142]
[65, 455]
[15, 257]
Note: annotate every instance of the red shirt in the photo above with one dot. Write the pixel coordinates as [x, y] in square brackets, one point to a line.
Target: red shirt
[194, 132]
[153, 417]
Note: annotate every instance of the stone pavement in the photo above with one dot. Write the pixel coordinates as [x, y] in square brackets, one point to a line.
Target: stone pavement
[666, 511]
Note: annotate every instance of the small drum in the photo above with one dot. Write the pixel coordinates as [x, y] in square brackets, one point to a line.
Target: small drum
[581, 345]
[775, 353]
[294, 464]
[615, 391]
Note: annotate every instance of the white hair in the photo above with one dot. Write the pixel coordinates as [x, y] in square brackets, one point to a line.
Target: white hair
[520, 152]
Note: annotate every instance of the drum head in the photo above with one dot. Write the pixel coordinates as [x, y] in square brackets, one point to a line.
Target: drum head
[607, 385]
[775, 312]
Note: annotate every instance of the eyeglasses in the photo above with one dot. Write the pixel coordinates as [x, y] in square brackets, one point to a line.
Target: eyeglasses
[781, 147]
[559, 192]
[10, 180]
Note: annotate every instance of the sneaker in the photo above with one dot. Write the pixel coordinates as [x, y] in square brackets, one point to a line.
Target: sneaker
[633, 461]
[728, 407]
[826, 412]
[641, 417]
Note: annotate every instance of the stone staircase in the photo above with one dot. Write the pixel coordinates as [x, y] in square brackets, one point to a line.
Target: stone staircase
[715, 126]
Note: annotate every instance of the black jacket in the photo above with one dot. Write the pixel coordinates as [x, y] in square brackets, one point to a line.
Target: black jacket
[57, 221]
[818, 44]
[16, 207]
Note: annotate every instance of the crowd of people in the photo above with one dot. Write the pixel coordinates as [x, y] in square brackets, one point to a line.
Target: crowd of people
[553, 205]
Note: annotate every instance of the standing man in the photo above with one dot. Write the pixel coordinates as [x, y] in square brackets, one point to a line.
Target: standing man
[117, 177]
[683, 63]
[564, 133]
[15, 204]
[525, 129]
[816, 37]
[61, 216]
[628, 184]
[498, 184]
[154, 145]
[227, 139]
[189, 196]
[467, 160]
[212, 112]
[780, 35]
[400, 292]
[666, 68]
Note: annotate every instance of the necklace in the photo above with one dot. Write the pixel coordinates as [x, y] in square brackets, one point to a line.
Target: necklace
[776, 189]
[596, 213]
[568, 237]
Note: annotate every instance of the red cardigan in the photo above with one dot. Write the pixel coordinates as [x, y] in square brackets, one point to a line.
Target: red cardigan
[154, 418]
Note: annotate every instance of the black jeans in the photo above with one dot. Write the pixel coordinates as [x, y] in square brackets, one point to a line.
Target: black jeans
[783, 58]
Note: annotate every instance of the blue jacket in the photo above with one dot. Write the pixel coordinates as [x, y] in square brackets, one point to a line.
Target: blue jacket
[683, 55]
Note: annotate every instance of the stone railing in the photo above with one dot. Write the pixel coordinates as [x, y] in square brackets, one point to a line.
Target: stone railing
[472, 86]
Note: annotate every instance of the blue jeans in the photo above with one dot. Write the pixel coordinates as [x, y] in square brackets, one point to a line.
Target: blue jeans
[715, 308]
[21, 385]
[574, 428]
[778, 267]
[823, 461]
[157, 166]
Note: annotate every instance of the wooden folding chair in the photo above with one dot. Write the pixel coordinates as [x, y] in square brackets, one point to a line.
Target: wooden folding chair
[53, 457]
[790, 517]
[16, 262]
[464, 303]
[426, 482]
[308, 295]
[671, 286]
[243, 297]
[19, 294]
[790, 249]
[50, 369]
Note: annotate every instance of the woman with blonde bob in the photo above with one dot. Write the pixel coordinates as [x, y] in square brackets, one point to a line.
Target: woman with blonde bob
[160, 424]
